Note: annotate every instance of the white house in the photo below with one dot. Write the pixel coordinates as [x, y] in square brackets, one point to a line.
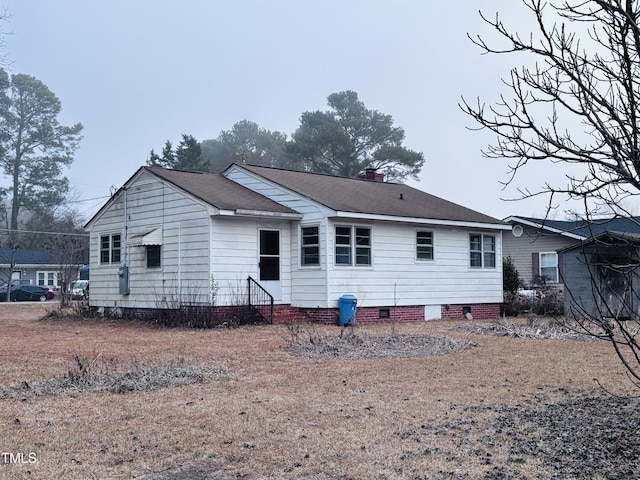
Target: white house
[169, 238]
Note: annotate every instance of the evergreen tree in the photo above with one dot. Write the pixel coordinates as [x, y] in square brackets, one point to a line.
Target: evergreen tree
[350, 138]
[34, 147]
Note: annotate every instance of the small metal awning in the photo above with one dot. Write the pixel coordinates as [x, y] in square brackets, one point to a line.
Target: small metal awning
[152, 237]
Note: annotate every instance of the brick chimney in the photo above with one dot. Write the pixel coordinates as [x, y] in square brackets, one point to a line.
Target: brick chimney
[372, 175]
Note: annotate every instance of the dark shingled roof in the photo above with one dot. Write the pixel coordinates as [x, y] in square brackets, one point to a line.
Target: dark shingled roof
[219, 191]
[368, 197]
[607, 241]
[589, 228]
[26, 257]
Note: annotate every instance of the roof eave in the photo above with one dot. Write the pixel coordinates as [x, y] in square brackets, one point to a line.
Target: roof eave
[244, 212]
[541, 226]
[617, 235]
[422, 221]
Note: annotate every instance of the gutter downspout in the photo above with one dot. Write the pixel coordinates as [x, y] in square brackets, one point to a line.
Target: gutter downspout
[123, 271]
[328, 257]
[126, 229]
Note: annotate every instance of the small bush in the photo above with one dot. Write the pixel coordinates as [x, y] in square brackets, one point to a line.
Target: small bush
[196, 316]
[98, 375]
[510, 275]
[75, 309]
[535, 327]
[353, 344]
[544, 302]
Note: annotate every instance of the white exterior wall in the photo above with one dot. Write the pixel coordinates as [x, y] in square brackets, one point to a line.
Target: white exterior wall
[235, 256]
[184, 272]
[395, 277]
[308, 284]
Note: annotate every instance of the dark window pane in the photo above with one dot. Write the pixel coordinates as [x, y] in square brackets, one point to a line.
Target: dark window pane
[363, 246]
[115, 248]
[153, 256]
[310, 236]
[343, 255]
[343, 245]
[104, 249]
[363, 236]
[310, 256]
[476, 259]
[476, 242]
[269, 242]
[363, 256]
[343, 235]
[269, 268]
[310, 246]
[424, 245]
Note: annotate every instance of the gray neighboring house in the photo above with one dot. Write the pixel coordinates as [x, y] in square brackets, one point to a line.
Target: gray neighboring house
[39, 266]
[601, 276]
[537, 245]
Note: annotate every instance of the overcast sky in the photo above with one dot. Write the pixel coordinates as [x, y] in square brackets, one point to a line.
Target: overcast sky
[136, 73]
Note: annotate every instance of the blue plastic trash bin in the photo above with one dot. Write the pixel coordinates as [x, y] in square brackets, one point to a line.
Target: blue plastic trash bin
[347, 307]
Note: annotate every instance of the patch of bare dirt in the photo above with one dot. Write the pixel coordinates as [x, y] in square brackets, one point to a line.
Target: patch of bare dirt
[584, 435]
[202, 470]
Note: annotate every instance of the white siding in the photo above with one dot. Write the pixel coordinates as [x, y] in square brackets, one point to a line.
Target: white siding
[308, 284]
[309, 287]
[235, 257]
[395, 276]
[184, 272]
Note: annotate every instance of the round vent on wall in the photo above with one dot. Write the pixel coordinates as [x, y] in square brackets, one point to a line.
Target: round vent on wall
[517, 231]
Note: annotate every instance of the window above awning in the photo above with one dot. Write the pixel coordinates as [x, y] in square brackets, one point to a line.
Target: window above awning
[152, 237]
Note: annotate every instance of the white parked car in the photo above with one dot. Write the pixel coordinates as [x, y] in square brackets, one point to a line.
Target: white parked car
[79, 289]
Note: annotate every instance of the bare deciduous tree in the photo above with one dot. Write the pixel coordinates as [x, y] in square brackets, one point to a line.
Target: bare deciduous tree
[574, 103]
[578, 103]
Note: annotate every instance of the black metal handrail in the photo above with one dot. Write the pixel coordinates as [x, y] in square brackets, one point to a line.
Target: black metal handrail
[260, 300]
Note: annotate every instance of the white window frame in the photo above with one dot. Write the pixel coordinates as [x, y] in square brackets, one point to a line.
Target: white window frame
[417, 245]
[47, 275]
[483, 251]
[353, 246]
[312, 245]
[555, 266]
[111, 248]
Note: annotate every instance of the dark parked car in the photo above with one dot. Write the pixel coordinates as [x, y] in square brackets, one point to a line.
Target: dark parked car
[16, 283]
[27, 293]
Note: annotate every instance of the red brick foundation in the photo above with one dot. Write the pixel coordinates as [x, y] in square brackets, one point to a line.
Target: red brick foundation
[480, 311]
[204, 317]
[403, 314]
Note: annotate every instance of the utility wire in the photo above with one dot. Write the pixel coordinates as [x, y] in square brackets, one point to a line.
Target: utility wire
[86, 199]
[45, 233]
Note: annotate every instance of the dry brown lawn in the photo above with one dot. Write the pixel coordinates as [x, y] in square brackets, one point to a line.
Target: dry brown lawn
[282, 415]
